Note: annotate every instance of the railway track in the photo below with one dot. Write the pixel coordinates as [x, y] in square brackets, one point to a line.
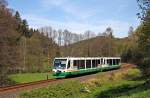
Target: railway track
[17, 86]
[15, 90]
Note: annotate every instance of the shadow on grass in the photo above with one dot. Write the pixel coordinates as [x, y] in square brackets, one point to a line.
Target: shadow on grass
[133, 77]
[6, 82]
[123, 90]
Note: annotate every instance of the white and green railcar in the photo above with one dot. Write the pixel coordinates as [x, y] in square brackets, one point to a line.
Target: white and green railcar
[70, 66]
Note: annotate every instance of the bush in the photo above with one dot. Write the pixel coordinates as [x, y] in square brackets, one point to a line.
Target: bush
[132, 56]
[145, 68]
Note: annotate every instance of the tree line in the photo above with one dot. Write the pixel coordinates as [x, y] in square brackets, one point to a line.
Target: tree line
[66, 37]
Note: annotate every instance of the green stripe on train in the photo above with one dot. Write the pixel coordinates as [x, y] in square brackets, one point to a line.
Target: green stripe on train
[84, 71]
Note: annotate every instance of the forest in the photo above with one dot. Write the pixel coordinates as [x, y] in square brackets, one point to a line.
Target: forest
[28, 50]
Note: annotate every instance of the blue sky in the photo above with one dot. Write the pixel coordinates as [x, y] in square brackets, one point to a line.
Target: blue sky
[79, 15]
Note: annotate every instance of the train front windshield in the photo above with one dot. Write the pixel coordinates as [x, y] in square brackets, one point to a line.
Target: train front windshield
[60, 63]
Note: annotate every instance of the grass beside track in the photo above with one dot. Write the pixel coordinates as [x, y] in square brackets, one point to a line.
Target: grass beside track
[121, 84]
[29, 77]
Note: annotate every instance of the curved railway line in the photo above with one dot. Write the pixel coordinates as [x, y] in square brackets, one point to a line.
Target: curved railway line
[17, 86]
[13, 91]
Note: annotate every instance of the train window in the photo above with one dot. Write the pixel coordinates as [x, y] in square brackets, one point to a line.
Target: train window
[114, 62]
[68, 66]
[81, 64]
[98, 62]
[88, 63]
[101, 61]
[108, 61]
[111, 61]
[94, 63]
[104, 62]
[76, 64]
[60, 63]
[117, 62]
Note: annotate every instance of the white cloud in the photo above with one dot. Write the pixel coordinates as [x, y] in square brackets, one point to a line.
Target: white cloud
[70, 8]
[120, 28]
[47, 3]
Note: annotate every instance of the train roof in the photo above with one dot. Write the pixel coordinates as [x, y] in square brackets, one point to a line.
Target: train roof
[87, 57]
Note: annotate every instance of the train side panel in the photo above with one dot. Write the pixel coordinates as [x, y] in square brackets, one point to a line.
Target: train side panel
[84, 71]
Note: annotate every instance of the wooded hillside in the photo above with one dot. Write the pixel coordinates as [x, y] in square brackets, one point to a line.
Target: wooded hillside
[97, 46]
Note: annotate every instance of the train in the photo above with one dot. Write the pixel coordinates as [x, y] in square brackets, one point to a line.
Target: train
[72, 66]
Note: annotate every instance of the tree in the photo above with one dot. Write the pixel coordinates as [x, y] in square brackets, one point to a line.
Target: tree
[59, 37]
[131, 55]
[76, 37]
[144, 37]
[54, 35]
[144, 6]
[109, 32]
[87, 36]
[25, 29]
[127, 56]
[65, 37]
[3, 3]
[131, 31]
[18, 18]
[19, 21]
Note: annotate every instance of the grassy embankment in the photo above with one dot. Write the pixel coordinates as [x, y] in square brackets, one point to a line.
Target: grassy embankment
[122, 84]
[30, 77]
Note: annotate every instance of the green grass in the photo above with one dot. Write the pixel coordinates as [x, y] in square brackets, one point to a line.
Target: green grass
[68, 89]
[124, 84]
[29, 77]
[114, 85]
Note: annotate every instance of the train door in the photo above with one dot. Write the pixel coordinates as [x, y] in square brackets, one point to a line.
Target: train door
[69, 64]
[105, 63]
